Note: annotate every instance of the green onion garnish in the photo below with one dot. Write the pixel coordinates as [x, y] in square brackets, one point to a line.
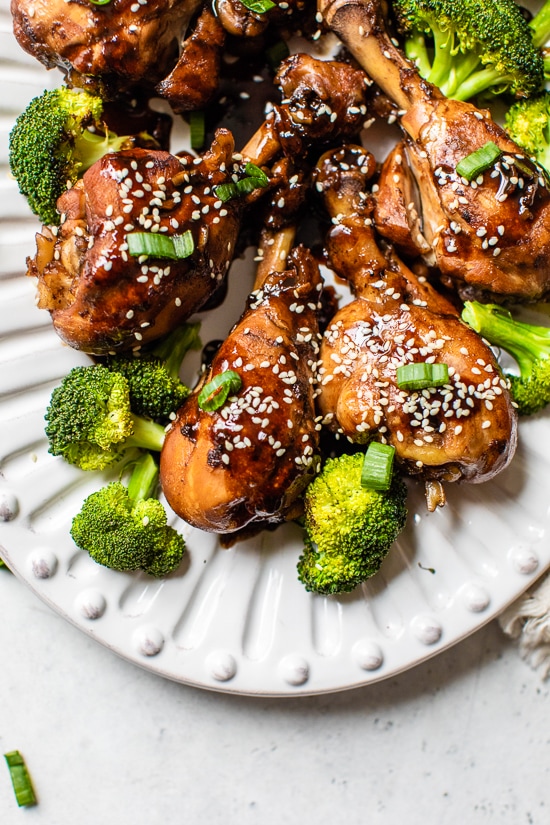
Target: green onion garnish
[155, 245]
[377, 467]
[258, 6]
[422, 375]
[226, 191]
[479, 161]
[214, 394]
[258, 174]
[276, 53]
[255, 179]
[20, 779]
[100, 2]
[247, 185]
[196, 129]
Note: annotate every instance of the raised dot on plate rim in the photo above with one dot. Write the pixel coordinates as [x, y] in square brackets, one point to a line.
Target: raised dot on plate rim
[42, 563]
[221, 665]
[524, 559]
[9, 506]
[368, 655]
[148, 640]
[294, 669]
[91, 603]
[475, 597]
[426, 629]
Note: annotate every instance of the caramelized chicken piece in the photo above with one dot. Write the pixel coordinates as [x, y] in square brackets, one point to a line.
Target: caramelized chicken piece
[396, 207]
[492, 234]
[121, 42]
[100, 297]
[463, 430]
[324, 100]
[194, 80]
[247, 462]
[240, 21]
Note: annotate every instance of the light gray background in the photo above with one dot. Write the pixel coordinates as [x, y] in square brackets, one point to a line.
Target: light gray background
[462, 739]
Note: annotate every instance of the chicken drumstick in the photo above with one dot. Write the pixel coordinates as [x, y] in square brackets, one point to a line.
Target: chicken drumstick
[465, 429]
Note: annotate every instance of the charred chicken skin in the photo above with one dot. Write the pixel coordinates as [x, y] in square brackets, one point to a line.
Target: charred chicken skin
[101, 298]
[463, 430]
[247, 462]
[491, 234]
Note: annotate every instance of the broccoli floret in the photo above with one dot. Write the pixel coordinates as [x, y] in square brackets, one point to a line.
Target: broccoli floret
[467, 47]
[528, 123]
[125, 528]
[349, 529]
[90, 422]
[155, 388]
[528, 345]
[58, 136]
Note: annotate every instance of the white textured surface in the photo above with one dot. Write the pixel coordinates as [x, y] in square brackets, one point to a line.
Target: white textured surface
[459, 740]
[238, 620]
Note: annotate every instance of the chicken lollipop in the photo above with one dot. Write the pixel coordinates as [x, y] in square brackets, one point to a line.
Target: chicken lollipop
[485, 206]
[452, 421]
[244, 445]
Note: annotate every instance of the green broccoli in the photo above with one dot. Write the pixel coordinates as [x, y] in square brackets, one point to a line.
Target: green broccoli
[349, 529]
[466, 47]
[125, 527]
[153, 378]
[90, 422]
[58, 136]
[528, 123]
[540, 28]
[529, 345]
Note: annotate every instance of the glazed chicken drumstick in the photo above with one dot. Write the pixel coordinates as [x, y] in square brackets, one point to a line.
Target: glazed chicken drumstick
[491, 234]
[247, 462]
[465, 429]
[119, 43]
[100, 297]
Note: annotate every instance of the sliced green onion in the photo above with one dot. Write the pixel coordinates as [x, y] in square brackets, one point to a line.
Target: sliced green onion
[377, 467]
[100, 2]
[214, 394]
[276, 53]
[226, 191]
[155, 245]
[422, 375]
[20, 779]
[258, 174]
[247, 185]
[258, 6]
[196, 129]
[479, 161]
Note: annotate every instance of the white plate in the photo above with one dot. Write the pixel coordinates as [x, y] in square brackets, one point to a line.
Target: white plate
[238, 620]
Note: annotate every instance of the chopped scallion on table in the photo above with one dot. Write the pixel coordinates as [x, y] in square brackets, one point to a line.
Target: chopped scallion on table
[20, 779]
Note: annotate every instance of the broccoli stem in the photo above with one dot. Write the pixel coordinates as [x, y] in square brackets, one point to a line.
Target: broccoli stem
[144, 479]
[540, 24]
[91, 147]
[148, 435]
[175, 346]
[479, 82]
[417, 51]
[524, 342]
[444, 56]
